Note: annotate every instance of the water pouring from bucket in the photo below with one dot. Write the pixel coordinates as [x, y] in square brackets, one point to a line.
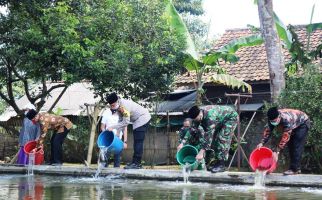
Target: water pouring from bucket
[32, 150]
[107, 141]
[262, 162]
[186, 157]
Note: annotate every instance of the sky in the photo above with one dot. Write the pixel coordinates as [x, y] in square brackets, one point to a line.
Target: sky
[229, 14]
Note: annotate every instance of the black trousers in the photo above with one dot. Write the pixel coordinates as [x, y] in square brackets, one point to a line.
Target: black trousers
[296, 146]
[138, 137]
[56, 143]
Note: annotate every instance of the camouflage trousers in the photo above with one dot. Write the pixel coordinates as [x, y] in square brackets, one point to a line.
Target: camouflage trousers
[221, 141]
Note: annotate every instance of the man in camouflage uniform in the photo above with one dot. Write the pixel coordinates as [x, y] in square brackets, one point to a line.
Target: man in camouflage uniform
[192, 136]
[294, 125]
[219, 123]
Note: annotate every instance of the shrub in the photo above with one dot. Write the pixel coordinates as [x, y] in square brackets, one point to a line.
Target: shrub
[304, 93]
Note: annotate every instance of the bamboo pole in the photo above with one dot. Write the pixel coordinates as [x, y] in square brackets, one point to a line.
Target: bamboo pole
[168, 139]
[94, 115]
[57, 100]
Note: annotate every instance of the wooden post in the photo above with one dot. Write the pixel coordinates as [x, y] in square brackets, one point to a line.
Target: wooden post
[94, 115]
[168, 138]
[14, 159]
[238, 124]
[245, 131]
[58, 98]
[238, 132]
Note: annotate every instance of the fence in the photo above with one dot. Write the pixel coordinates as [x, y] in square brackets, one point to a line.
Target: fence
[160, 144]
[9, 141]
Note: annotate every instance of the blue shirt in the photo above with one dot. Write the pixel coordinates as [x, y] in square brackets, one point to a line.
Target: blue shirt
[28, 132]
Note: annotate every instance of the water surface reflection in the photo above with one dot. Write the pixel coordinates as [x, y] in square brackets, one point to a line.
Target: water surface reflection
[112, 187]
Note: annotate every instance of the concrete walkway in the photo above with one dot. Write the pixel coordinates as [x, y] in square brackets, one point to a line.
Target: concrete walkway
[274, 179]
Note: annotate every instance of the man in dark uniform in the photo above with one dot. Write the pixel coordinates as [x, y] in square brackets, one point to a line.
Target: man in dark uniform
[294, 125]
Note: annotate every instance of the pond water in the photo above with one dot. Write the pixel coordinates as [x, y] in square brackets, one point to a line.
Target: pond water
[112, 187]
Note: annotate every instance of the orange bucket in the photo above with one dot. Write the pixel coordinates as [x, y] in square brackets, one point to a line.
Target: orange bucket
[39, 154]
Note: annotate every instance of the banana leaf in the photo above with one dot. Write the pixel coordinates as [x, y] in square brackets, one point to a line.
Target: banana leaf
[192, 64]
[231, 81]
[233, 46]
[227, 52]
[180, 28]
[312, 27]
[282, 32]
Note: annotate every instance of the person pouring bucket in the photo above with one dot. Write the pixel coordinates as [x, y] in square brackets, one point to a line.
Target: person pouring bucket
[110, 118]
[28, 132]
[294, 125]
[189, 135]
[136, 114]
[219, 123]
[60, 125]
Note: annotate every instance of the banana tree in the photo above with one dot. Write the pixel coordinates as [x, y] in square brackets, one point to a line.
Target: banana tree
[302, 57]
[209, 61]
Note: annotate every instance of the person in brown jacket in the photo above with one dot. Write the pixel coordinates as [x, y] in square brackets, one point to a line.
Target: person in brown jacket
[60, 125]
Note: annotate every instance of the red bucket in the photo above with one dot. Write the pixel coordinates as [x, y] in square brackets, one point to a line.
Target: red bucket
[39, 155]
[262, 159]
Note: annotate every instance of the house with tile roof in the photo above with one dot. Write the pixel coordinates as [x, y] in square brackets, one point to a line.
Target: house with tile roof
[252, 67]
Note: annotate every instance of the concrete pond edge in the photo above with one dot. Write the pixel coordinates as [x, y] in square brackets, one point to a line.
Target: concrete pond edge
[241, 178]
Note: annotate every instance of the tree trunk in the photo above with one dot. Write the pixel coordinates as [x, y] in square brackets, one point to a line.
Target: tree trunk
[57, 100]
[273, 48]
[95, 121]
[199, 88]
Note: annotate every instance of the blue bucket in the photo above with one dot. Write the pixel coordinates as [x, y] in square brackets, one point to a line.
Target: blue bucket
[108, 140]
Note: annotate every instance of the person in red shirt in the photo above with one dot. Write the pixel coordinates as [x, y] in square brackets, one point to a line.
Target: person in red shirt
[294, 125]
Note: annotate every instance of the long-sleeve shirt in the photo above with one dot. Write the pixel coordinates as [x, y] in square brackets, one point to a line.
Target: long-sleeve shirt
[131, 112]
[193, 136]
[53, 122]
[290, 120]
[214, 117]
[28, 132]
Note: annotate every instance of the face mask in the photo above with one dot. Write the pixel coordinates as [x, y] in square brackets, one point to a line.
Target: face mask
[117, 106]
[199, 117]
[274, 123]
[113, 110]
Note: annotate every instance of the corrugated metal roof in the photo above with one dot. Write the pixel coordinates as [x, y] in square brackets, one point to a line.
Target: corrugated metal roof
[185, 103]
[180, 105]
[250, 107]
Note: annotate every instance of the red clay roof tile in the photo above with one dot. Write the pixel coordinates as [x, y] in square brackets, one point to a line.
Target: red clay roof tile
[252, 64]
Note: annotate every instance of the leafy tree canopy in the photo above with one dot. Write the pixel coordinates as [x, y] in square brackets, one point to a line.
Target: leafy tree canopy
[193, 7]
[126, 46]
[136, 55]
[191, 11]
